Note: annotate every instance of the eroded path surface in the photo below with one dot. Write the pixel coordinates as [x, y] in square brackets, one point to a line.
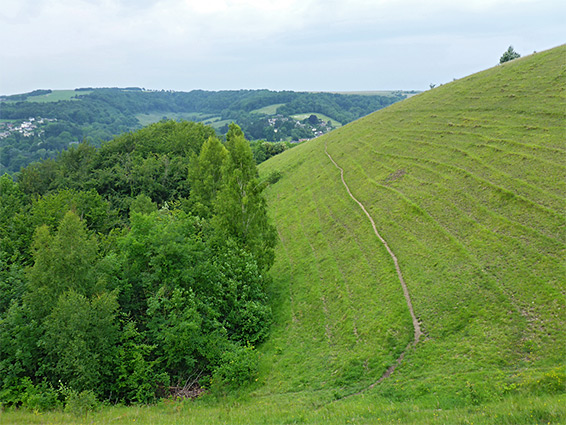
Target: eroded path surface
[416, 324]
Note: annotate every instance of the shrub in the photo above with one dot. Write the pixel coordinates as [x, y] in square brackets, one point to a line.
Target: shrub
[40, 397]
[238, 368]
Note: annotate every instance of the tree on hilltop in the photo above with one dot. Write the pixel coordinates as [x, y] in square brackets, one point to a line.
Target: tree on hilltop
[509, 55]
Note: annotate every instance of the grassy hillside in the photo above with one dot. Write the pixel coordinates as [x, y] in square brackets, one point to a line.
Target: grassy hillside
[47, 96]
[466, 184]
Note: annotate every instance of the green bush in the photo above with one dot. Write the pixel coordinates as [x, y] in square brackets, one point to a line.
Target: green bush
[274, 177]
[238, 368]
[80, 403]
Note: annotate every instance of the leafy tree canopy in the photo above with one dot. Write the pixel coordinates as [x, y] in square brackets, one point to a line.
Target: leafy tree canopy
[126, 270]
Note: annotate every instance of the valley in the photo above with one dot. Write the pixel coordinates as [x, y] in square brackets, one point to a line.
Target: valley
[96, 115]
[419, 271]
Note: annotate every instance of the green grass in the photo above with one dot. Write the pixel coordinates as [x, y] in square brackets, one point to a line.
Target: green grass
[466, 182]
[216, 122]
[57, 95]
[268, 110]
[319, 116]
[297, 409]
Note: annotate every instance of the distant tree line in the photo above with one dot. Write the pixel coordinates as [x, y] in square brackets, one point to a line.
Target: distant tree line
[97, 115]
[134, 270]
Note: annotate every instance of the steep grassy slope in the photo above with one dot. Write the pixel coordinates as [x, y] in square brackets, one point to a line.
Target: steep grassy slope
[467, 184]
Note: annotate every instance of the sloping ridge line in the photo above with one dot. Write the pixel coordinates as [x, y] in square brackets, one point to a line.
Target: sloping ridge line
[416, 324]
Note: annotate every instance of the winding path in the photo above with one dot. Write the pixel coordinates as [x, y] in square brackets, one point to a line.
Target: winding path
[416, 324]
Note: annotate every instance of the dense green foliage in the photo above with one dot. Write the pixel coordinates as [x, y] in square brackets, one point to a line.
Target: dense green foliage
[153, 161]
[96, 115]
[119, 281]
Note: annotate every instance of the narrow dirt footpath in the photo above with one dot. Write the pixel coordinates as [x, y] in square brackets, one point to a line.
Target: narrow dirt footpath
[416, 324]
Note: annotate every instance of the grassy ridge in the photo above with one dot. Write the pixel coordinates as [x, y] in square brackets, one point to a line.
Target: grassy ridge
[57, 95]
[322, 117]
[340, 337]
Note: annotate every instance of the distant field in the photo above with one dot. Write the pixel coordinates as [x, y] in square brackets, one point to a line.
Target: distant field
[208, 119]
[320, 117]
[57, 95]
[217, 122]
[268, 110]
[466, 183]
[146, 119]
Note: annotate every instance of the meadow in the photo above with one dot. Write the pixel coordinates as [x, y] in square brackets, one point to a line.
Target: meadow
[466, 183]
[57, 95]
[322, 117]
[268, 110]
[368, 409]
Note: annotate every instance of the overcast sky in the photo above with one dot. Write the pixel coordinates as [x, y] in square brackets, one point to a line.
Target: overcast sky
[314, 45]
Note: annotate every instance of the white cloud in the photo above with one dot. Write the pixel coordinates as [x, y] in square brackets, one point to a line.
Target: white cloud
[185, 44]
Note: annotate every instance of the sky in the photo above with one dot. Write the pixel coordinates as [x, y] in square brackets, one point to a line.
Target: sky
[302, 45]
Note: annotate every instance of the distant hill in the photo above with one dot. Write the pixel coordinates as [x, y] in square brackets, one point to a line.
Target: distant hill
[39, 124]
[466, 183]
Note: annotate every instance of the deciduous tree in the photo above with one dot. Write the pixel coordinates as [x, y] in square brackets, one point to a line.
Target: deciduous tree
[206, 176]
[240, 208]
